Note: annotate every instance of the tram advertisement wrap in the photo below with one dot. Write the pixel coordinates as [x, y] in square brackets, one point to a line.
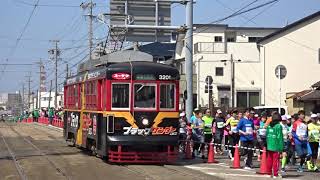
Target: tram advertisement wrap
[73, 121]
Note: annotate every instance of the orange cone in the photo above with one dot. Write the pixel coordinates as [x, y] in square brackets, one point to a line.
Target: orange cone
[188, 154]
[263, 163]
[211, 154]
[236, 160]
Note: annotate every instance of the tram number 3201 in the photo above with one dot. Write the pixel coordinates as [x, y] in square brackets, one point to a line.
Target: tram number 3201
[164, 77]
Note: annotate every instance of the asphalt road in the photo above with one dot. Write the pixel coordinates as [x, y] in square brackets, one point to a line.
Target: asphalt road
[34, 152]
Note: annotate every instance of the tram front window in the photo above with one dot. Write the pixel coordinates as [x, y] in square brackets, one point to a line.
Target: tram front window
[167, 96]
[145, 96]
[120, 95]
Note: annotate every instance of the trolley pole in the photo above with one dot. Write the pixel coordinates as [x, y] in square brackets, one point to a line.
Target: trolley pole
[189, 58]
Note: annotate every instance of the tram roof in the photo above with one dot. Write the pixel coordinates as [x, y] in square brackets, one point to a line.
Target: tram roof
[139, 68]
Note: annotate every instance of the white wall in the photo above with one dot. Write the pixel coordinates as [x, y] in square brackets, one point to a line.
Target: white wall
[248, 72]
[45, 100]
[298, 50]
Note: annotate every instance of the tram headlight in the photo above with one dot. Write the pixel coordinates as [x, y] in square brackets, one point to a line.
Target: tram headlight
[145, 121]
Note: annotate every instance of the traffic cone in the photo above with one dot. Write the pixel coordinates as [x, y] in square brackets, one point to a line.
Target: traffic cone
[188, 154]
[211, 154]
[236, 158]
[263, 163]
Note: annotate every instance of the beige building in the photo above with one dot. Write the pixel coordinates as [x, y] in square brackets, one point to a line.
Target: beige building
[296, 47]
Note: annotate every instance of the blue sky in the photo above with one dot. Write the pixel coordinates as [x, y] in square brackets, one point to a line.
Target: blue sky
[68, 25]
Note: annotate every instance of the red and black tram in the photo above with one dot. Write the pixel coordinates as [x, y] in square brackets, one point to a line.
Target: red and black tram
[126, 112]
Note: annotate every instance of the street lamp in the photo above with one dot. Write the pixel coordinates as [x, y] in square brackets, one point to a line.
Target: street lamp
[233, 61]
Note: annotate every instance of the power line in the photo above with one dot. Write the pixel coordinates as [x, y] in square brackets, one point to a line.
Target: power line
[261, 12]
[51, 5]
[21, 34]
[227, 7]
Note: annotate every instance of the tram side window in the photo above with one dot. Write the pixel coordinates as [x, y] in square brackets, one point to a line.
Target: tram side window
[72, 93]
[145, 96]
[90, 94]
[120, 95]
[167, 96]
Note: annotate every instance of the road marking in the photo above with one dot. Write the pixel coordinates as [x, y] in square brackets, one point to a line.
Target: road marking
[242, 175]
[199, 167]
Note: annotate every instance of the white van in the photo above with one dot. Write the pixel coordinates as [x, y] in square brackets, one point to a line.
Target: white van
[270, 109]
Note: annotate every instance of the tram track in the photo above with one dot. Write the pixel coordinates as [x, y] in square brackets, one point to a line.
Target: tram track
[16, 161]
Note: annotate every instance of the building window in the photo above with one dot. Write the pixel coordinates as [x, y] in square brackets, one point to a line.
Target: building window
[218, 39]
[248, 99]
[219, 71]
[231, 39]
[254, 39]
[224, 102]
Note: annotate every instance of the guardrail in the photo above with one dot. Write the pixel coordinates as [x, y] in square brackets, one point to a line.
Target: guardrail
[44, 120]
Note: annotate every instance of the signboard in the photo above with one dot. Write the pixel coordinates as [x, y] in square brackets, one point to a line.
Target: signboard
[140, 12]
[283, 71]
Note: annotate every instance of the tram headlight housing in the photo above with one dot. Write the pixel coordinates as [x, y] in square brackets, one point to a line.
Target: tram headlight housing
[145, 121]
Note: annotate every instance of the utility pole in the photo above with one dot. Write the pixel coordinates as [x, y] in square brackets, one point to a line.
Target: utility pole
[37, 99]
[56, 53]
[90, 5]
[189, 58]
[22, 102]
[50, 94]
[29, 90]
[40, 84]
[67, 69]
[232, 81]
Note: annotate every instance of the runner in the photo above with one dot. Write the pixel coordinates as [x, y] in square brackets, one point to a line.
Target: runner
[231, 125]
[219, 124]
[314, 136]
[286, 142]
[182, 132]
[256, 123]
[291, 152]
[197, 125]
[208, 120]
[300, 136]
[261, 133]
[274, 145]
[245, 128]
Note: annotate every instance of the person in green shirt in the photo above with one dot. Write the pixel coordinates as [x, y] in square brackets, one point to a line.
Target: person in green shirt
[208, 120]
[314, 137]
[274, 144]
[35, 115]
[51, 114]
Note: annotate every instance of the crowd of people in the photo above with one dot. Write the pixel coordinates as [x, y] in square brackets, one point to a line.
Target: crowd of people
[283, 137]
[50, 113]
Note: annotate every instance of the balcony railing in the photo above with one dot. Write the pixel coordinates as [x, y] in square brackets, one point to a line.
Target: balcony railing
[209, 47]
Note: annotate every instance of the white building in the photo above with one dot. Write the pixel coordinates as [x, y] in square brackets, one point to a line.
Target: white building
[297, 47]
[47, 98]
[214, 45]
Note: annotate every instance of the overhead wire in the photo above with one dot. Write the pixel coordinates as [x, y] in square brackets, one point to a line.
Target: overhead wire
[21, 34]
[51, 5]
